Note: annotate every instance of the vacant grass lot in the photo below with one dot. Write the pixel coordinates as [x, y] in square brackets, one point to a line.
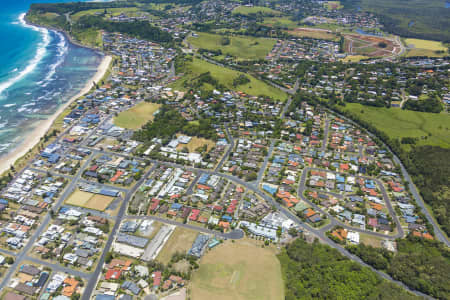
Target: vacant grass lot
[197, 142]
[424, 44]
[131, 11]
[246, 10]
[238, 271]
[180, 241]
[280, 21]
[313, 33]
[423, 52]
[89, 200]
[425, 48]
[331, 5]
[137, 116]
[90, 37]
[226, 76]
[243, 47]
[398, 123]
[354, 58]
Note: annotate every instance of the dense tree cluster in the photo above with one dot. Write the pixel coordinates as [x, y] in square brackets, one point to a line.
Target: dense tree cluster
[421, 264]
[430, 104]
[427, 165]
[423, 19]
[74, 7]
[240, 80]
[168, 122]
[317, 271]
[140, 29]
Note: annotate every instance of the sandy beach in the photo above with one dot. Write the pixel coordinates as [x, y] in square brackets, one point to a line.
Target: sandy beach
[41, 129]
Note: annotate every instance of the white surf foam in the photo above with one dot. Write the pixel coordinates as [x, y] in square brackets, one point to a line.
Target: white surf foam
[62, 48]
[40, 53]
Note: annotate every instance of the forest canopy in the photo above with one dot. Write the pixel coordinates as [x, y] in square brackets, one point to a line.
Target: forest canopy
[317, 271]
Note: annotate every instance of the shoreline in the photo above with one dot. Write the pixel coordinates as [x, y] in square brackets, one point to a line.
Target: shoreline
[34, 137]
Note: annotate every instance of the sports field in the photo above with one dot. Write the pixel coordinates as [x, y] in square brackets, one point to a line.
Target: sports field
[246, 10]
[238, 271]
[398, 123]
[137, 116]
[226, 76]
[243, 47]
[89, 200]
[180, 241]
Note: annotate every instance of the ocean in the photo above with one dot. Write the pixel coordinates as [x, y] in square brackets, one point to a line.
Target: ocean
[40, 70]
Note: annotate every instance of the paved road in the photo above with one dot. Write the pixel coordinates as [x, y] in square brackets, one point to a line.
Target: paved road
[42, 225]
[229, 149]
[320, 233]
[400, 233]
[251, 187]
[325, 135]
[53, 173]
[95, 275]
[58, 268]
[412, 187]
[233, 235]
[437, 230]
[190, 189]
[316, 232]
[106, 186]
[288, 103]
[266, 161]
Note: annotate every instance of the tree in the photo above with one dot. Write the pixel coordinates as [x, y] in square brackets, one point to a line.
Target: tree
[224, 41]
[109, 256]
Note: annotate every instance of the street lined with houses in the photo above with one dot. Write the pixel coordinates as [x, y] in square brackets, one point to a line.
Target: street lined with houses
[167, 160]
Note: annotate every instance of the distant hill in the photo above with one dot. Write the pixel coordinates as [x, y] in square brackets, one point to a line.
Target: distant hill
[425, 19]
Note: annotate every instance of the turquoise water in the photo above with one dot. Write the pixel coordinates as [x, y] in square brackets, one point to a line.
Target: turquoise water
[39, 71]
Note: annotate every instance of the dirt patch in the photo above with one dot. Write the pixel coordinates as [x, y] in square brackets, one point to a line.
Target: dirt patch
[180, 241]
[314, 33]
[89, 200]
[371, 46]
